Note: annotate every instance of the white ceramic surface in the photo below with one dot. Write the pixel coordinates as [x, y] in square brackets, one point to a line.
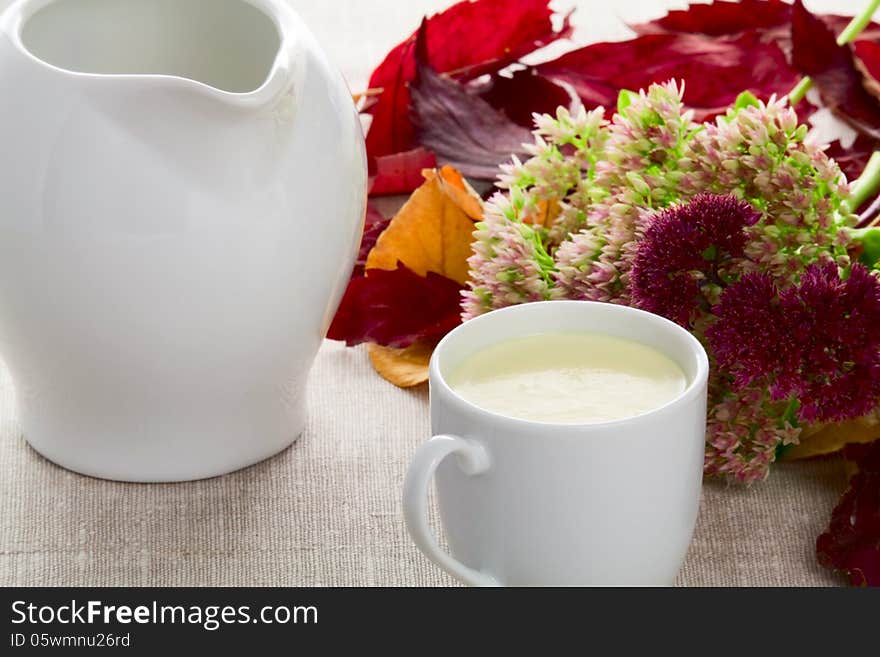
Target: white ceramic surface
[181, 196]
[538, 504]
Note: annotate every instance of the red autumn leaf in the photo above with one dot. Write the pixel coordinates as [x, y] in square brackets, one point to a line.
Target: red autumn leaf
[770, 22]
[396, 308]
[467, 40]
[852, 541]
[853, 159]
[715, 71]
[399, 173]
[523, 94]
[374, 224]
[868, 53]
[464, 130]
[838, 23]
[832, 68]
[720, 18]
[771, 18]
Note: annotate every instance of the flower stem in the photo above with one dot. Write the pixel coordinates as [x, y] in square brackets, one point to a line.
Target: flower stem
[849, 34]
[858, 23]
[866, 186]
[797, 94]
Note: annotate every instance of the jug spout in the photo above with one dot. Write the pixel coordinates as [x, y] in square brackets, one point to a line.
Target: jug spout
[276, 89]
[242, 53]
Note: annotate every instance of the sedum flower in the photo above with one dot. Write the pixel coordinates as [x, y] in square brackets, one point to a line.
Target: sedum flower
[825, 337]
[646, 139]
[757, 152]
[736, 229]
[681, 261]
[562, 157]
[509, 264]
[638, 171]
[744, 431]
[834, 366]
[749, 319]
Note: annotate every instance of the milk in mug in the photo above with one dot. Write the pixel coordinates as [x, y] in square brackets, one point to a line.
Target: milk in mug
[568, 378]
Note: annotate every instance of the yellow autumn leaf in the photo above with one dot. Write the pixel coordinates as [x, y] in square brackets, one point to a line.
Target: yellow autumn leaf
[829, 438]
[544, 214]
[403, 367]
[459, 190]
[433, 230]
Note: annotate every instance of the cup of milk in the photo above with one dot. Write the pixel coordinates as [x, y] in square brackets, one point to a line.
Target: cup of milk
[577, 431]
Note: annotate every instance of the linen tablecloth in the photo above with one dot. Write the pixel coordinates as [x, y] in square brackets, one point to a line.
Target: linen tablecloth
[327, 510]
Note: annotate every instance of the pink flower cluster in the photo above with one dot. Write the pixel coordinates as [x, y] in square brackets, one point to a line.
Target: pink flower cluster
[784, 353]
[510, 253]
[744, 431]
[758, 153]
[635, 173]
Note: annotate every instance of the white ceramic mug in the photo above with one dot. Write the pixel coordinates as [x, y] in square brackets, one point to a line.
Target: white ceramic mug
[538, 504]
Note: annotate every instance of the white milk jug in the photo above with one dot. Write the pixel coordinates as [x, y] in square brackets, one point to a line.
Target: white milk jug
[182, 187]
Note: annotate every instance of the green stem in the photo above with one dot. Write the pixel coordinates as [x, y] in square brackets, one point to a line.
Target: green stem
[797, 94]
[849, 34]
[858, 23]
[865, 187]
[790, 414]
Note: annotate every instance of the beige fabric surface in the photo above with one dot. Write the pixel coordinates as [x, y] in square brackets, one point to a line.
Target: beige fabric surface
[327, 511]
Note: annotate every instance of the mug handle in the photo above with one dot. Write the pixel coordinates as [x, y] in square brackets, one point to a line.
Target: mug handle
[472, 459]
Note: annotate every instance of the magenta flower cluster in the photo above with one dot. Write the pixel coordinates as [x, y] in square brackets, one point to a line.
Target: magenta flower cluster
[785, 354]
[682, 260]
[816, 343]
[783, 357]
